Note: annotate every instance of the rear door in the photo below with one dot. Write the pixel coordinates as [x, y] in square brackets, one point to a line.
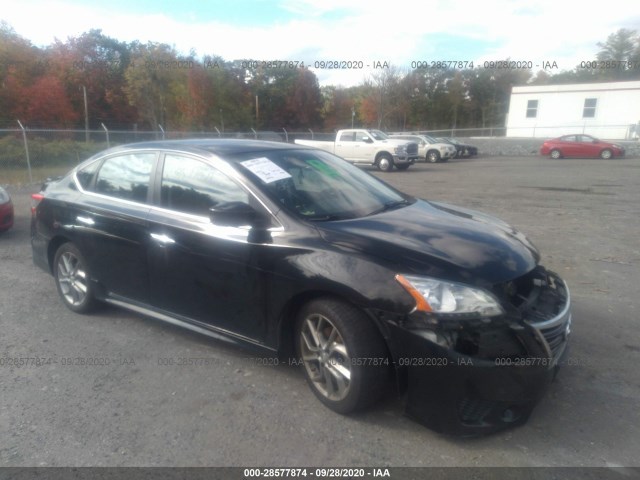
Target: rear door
[344, 145]
[110, 222]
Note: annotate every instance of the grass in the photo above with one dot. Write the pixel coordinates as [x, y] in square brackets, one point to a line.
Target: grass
[13, 176]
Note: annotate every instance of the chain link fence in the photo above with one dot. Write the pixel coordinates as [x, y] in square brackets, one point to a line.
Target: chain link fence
[29, 156]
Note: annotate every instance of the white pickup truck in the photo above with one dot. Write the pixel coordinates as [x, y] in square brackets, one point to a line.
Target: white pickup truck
[370, 147]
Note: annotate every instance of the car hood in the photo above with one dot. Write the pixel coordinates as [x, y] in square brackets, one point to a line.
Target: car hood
[438, 240]
[396, 141]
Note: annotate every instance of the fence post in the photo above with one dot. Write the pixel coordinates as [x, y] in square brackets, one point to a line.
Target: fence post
[26, 150]
[311, 134]
[255, 134]
[286, 135]
[107, 133]
[217, 131]
[162, 130]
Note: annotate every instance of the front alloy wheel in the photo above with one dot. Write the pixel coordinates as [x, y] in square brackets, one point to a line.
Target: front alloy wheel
[606, 154]
[345, 358]
[433, 156]
[555, 154]
[72, 280]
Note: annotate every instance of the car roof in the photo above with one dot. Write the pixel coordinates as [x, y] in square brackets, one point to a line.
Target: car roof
[222, 147]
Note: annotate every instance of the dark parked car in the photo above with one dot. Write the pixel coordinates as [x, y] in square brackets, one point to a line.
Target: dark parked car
[6, 211]
[295, 252]
[463, 149]
[580, 146]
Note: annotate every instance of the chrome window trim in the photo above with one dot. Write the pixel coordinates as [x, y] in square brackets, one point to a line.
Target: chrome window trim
[227, 170]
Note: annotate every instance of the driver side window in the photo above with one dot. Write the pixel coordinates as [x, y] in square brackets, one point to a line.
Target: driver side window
[192, 186]
[361, 137]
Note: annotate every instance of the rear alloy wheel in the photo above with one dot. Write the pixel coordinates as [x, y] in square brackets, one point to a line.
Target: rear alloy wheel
[345, 358]
[555, 154]
[433, 156]
[385, 162]
[606, 154]
[72, 279]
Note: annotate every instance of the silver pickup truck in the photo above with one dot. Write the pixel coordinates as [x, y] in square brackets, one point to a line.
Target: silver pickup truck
[369, 147]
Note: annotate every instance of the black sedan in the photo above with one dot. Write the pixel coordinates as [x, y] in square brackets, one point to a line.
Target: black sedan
[296, 253]
[462, 149]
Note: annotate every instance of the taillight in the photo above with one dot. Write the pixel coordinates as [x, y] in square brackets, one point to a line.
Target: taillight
[36, 198]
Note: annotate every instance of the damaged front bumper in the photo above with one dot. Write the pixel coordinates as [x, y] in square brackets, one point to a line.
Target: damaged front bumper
[471, 377]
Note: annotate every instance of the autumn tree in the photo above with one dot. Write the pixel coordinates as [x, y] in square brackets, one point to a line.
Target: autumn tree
[95, 64]
[20, 64]
[48, 105]
[154, 83]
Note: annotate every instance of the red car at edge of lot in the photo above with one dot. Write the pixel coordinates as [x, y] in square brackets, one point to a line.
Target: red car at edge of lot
[6, 211]
[580, 146]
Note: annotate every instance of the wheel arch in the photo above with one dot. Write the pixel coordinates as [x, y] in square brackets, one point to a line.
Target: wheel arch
[382, 153]
[54, 244]
[289, 316]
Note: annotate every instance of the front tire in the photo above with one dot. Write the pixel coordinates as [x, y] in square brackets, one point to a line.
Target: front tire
[344, 356]
[433, 156]
[555, 154]
[384, 162]
[72, 279]
[606, 154]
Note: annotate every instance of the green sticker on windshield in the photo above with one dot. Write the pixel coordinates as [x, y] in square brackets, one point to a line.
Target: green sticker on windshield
[322, 168]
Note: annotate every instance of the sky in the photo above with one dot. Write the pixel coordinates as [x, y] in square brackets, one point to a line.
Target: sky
[365, 32]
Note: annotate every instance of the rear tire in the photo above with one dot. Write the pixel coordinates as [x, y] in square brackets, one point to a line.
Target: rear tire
[344, 357]
[433, 156]
[72, 279]
[555, 154]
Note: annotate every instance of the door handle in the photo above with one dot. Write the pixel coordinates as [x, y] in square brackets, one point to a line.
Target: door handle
[163, 239]
[86, 220]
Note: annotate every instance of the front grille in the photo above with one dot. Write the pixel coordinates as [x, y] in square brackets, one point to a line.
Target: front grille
[544, 302]
[474, 411]
[412, 148]
[556, 336]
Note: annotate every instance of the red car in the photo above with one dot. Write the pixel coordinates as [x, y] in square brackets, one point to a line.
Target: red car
[580, 146]
[6, 211]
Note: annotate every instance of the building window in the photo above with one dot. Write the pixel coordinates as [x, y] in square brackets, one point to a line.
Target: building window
[532, 108]
[589, 110]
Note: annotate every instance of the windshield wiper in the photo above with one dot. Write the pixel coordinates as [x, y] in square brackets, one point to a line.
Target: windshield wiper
[323, 218]
[390, 206]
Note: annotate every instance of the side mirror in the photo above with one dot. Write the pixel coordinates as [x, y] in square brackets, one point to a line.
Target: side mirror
[237, 214]
[367, 140]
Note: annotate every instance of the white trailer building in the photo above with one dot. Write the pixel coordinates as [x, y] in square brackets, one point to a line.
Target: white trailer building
[604, 110]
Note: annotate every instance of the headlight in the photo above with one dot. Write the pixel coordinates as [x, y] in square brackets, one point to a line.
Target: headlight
[438, 296]
[401, 149]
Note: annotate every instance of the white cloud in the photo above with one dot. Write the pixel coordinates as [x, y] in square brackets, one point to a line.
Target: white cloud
[399, 32]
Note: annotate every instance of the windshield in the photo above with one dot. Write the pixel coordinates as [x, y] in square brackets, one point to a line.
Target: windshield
[378, 135]
[430, 139]
[319, 186]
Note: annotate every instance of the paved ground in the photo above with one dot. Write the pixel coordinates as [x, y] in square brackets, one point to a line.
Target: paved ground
[134, 410]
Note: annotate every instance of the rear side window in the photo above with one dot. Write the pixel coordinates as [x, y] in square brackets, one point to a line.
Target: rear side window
[126, 176]
[346, 137]
[192, 186]
[85, 175]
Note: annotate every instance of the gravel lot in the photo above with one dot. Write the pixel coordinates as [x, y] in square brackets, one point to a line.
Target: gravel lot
[135, 411]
